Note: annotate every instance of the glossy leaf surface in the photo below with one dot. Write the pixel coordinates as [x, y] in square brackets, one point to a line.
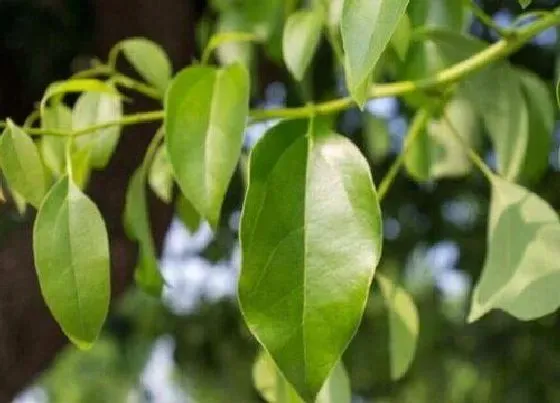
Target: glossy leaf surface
[311, 240]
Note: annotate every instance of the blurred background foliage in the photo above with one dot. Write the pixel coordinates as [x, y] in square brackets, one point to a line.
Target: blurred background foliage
[193, 347]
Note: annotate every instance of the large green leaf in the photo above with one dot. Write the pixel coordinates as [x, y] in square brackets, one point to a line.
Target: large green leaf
[367, 27]
[403, 325]
[137, 226]
[274, 388]
[541, 109]
[521, 274]
[21, 164]
[71, 250]
[205, 115]
[311, 240]
[449, 14]
[187, 214]
[150, 61]
[437, 152]
[94, 108]
[301, 37]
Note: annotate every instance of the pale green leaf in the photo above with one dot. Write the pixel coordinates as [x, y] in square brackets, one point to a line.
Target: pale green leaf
[22, 166]
[57, 117]
[311, 240]
[160, 177]
[403, 325]
[231, 25]
[274, 388]
[149, 60]
[437, 153]
[301, 37]
[95, 108]
[367, 26]
[137, 226]
[71, 250]
[376, 137]
[205, 116]
[521, 274]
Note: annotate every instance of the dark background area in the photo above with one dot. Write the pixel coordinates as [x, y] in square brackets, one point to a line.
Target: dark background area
[497, 359]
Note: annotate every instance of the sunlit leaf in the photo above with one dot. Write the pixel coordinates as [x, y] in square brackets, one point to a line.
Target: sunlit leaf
[311, 241]
[21, 164]
[521, 274]
[71, 250]
[57, 117]
[367, 26]
[149, 60]
[205, 114]
[95, 108]
[403, 325]
[274, 388]
[76, 85]
[301, 37]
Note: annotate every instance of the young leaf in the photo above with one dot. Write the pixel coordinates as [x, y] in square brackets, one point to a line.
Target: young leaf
[71, 250]
[205, 115]
[301, 37]
[367, 27]
[403, 326]
[53, 148]
[311, 240]
[160, 177]
[274, 388]
[150, 61]
[21, 163]
[521, 274]
[137, 226]
[94, 108]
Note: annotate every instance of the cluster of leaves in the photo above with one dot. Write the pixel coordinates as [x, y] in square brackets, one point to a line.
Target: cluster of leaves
[311, 228]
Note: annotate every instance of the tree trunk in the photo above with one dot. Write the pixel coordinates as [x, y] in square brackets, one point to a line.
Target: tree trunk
[29, 337]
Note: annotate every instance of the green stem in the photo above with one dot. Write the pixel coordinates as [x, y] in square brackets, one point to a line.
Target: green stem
[488, 20]
[129, 120]
[418, 125]
[137, 86]
[473, 156]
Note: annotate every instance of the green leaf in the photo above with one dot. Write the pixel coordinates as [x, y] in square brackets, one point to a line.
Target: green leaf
[71, 250]
[376, 137]
[22, 166]
[188, 215]
[311, 241]
[367, 26]
[400, 41]
[205, 114]
[160, 177]
[540, 106]
[449, 14]
[137, 226]
[525, 3]
[95, 108]
[403, 326]
[301, 38]
[521, 274]
[232, 25]
[437, 153]
[274, 388]
[149, 60]
[57, 117]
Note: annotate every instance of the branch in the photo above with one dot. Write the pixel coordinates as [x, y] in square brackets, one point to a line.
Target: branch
[453, 74]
